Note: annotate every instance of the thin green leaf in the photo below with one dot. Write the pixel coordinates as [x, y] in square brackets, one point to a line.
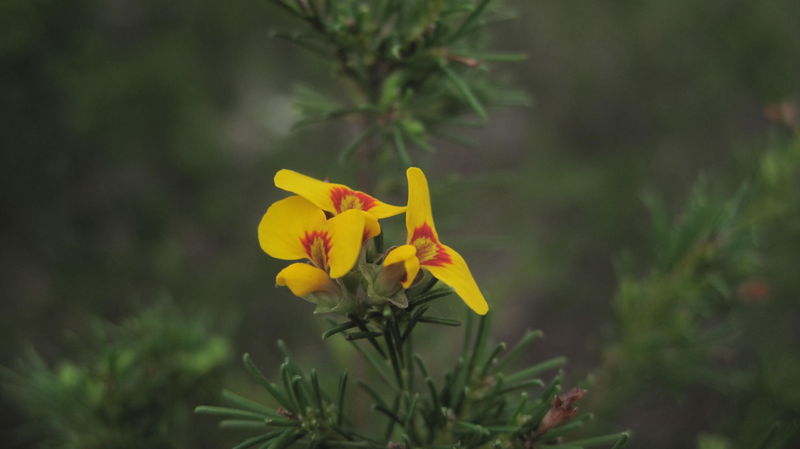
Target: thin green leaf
[242, 424]
[394, 358]
[250, 442]
[317, 391]
[536, 369]
[423, 369]
[623, 441]
[529, 337]
[411, 409]
[247, 403]
[286, 439]
[601, 440]
[225, 411]
[340, 402]
[372, 340]
[439, 320]
[274, 422]
[287, 386]
[393, 419]
[297, 388]
[388, 413]
[430, 296]
[491, 359]
[469, 21]
[437, 406]
[523, 401]
[521, 385]
[338, 328]
[269, 386]
[480, 342]
[465, 91]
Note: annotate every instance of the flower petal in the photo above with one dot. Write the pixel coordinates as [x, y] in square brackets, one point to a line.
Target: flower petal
[285, 223]
[371, 226]
[457, 275]
[314, 190]
[333, 198]
[383, 210]
[407, 255]
[304, 279]
[346, 232]
[400, 254]
[418, 213]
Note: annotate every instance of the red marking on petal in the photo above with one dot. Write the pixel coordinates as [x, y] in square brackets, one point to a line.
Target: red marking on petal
[429, 251]
[317, 245]
[346, 199]
[424, 231]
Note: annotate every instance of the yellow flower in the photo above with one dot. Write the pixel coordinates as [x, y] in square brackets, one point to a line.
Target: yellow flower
[333, 198]
[424, 250]
[294, 228]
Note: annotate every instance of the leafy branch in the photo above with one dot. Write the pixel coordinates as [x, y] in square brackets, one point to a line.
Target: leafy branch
[411, 67]
[473, 405]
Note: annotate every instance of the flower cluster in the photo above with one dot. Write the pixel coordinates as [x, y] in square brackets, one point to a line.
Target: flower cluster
[330, 226]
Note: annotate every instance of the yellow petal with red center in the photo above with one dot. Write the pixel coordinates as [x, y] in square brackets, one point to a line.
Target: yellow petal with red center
[346, 232]
[285, 224]
[407, 255]
[334, 198]
[418, 212]
[456, 274]
[304, 279]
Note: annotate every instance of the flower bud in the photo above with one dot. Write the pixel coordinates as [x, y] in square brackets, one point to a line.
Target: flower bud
[384, 284]
[562, 409]
[389, 279]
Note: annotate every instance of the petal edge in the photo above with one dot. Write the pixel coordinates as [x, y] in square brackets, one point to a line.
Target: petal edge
[304, 279]
[418, 211]
[283, 225]
[346, 232]
[458, 276]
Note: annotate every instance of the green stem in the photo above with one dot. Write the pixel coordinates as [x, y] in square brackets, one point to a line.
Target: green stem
[394, 359]
[361, 325]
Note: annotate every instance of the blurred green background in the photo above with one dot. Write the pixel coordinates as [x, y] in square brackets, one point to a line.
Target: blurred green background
[139, 141]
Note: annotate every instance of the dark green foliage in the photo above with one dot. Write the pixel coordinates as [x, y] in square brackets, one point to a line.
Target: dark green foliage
[717, 312]
[115, 183]
[411, 67]
[128, 386]
[474, 404]
[661, 316]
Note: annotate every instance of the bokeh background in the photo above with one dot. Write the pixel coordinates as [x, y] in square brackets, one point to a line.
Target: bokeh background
[139, 140]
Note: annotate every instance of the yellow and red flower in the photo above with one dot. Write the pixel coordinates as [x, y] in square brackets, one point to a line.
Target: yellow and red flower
[333, 198]
[298, 227]
[424, 250]
[294, 228]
